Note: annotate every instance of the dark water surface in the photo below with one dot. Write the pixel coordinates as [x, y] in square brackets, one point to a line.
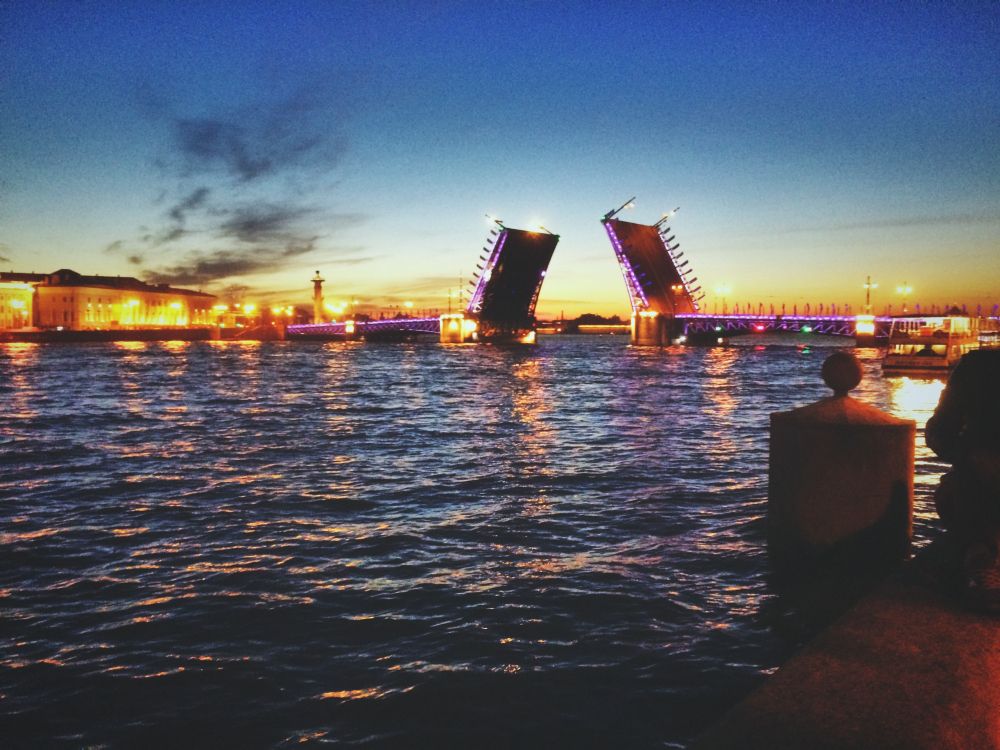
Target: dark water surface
[250, 544]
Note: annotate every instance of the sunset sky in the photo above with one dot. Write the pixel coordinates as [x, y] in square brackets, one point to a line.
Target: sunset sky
[229, 145]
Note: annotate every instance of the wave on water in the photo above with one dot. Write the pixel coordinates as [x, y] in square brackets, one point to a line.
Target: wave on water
[392, 545]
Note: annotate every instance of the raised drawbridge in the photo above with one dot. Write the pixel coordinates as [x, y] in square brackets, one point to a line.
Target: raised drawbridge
[501, 303]
[509, 279]
[659, 280]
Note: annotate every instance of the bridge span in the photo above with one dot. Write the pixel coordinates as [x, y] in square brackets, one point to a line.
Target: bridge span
[502, 300]
[659, 280]
[708, 327]
[663, 293]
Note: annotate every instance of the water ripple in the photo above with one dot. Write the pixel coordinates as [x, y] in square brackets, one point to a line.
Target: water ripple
[391, 545]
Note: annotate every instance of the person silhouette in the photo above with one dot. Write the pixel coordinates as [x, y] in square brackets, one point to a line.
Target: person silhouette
[965, 431]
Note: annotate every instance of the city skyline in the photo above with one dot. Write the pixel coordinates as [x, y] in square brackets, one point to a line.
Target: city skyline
[206, 148]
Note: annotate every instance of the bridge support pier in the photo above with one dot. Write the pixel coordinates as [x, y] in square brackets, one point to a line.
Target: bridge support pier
[654, 329]
[457, 329]
[864, 330]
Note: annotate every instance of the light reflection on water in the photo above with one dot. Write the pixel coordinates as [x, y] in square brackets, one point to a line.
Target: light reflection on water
[915, 399]
[560, 544]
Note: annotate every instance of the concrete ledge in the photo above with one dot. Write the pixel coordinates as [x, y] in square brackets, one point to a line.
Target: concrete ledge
[907, 667]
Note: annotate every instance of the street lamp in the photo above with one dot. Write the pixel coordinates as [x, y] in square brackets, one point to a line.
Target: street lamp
[905, 290]
[723, 291]
[868, 294]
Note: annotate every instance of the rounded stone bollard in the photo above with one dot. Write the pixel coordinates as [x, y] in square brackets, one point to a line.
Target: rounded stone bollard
[841, 476]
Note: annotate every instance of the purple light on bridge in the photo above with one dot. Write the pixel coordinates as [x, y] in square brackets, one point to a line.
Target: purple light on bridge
[411, 325]
[837, 325]
[628, 273]
[477, 296]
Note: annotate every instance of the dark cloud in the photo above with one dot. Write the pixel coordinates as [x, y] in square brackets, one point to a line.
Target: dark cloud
[262, 222]
[131, 254]
[297, 133]
[242, 202]
[177, 215]
[194, 200]
[209, 143]
[170, 234]
[204, 267]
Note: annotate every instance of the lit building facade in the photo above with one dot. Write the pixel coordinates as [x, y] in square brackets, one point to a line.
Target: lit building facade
[16, 304]
[67, 300]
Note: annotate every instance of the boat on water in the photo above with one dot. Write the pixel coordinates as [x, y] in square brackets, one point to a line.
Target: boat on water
[990, 339]
[929, 345]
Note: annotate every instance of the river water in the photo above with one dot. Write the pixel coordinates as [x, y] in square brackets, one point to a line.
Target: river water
[399, 545]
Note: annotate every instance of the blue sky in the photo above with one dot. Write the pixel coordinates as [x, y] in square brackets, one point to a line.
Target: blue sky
[224, 146]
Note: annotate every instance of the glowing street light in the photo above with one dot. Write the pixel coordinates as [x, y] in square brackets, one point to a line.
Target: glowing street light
[869, 285]
[723, 291]
[905, 290]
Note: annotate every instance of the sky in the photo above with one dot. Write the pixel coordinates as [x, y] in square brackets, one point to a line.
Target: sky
[239, 147]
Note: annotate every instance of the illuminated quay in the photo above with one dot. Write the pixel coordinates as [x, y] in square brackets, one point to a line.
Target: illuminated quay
[66, 301]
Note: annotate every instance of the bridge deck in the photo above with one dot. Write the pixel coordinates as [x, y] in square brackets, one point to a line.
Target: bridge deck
[363, 328]
[653, 278]
[507, 291]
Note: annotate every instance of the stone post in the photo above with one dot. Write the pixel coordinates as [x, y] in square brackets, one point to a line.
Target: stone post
[317, 282]
[841, 476]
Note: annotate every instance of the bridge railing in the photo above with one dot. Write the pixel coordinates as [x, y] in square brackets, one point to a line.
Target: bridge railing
[835, 325]
[359, 328]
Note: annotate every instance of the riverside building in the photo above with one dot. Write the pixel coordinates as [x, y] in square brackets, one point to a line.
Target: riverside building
[16, 304]
[67, 300]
